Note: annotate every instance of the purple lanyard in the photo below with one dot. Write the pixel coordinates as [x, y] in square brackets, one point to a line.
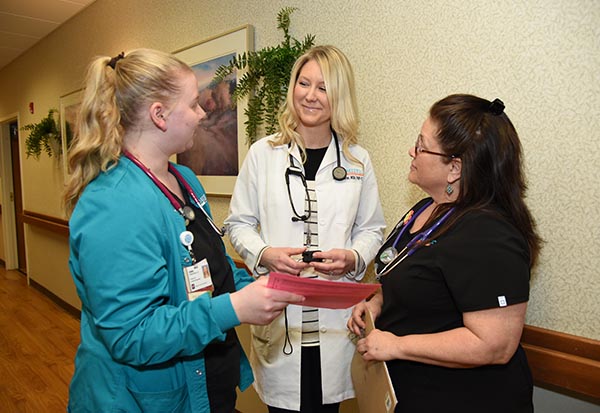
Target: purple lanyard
[422, 236]
[414, 243]
[409, 223]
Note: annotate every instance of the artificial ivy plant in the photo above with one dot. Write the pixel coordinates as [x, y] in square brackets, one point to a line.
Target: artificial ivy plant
[266, 78]
[45, 135]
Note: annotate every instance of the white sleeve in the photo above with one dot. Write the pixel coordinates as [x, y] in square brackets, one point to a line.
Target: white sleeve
[243, 220]
[369, 225]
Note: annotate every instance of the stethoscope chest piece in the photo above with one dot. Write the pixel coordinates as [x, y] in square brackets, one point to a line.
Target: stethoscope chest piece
[188, 214]
[388, 255]
[339, 173]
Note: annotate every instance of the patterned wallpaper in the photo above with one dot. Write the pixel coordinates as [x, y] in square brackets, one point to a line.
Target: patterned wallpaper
[542, 57]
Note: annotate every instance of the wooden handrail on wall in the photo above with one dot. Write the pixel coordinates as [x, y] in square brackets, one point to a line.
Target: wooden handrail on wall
[563, 362]
[60, 226]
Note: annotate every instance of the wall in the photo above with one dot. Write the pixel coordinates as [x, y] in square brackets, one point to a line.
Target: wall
[2, 257]
[541, 57]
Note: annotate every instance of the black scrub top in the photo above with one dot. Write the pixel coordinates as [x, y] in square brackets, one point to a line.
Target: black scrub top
[221, 358]
[481, 262]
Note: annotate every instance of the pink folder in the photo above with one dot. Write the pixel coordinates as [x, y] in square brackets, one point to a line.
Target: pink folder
[322, 293]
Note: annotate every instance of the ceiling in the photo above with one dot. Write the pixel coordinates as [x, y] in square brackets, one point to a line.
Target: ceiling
[25, 22]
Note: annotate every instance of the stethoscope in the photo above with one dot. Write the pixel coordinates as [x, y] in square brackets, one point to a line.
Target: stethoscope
[184, 210]
[390, 256]
[339, 174]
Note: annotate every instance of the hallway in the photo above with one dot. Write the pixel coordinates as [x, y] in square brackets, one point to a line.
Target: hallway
[38, 340]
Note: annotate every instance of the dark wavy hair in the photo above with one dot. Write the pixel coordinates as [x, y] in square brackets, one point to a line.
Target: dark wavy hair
[479, 133]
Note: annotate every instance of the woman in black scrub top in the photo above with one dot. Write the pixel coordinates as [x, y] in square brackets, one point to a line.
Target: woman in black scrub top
[455, 270]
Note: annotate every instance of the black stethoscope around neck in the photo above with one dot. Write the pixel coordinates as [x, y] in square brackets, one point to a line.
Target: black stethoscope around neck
[339, 174]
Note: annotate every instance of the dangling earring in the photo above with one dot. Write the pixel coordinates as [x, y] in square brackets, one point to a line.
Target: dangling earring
[449, 189]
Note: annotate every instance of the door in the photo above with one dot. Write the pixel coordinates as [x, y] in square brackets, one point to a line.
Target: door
[17, 195]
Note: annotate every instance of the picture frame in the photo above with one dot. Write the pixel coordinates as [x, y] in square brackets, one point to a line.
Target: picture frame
[219, 143]
[69, 107]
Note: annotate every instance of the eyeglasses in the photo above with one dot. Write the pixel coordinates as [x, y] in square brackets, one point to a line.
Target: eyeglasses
[419, 149]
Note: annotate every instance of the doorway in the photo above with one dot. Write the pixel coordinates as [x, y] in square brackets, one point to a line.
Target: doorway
[13, 128]
[12, 201]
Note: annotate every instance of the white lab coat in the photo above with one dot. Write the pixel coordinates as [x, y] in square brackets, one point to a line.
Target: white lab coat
[350, 217]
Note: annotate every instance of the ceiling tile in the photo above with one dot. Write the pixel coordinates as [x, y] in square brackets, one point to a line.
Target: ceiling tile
[24, 22]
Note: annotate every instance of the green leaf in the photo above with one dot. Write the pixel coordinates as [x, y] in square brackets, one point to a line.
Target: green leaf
[44, 135]
[266, 77]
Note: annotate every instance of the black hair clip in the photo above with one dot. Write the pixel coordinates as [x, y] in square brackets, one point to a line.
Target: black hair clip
[114, 60]
[496, 107]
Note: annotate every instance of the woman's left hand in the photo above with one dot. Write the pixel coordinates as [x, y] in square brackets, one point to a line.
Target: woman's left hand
[378, 345]
[338, 262]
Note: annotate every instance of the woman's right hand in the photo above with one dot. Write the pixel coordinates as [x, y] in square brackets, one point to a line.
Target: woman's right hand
[356, 322]
[280, 260]
[258, 304]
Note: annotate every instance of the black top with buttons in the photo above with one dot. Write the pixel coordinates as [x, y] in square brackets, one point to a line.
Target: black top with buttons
[221, 358]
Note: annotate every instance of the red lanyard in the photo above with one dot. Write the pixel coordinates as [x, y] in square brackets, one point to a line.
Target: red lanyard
[178, 207]
[162, 186]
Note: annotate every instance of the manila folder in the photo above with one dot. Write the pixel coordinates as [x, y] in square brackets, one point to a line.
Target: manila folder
[371, 379]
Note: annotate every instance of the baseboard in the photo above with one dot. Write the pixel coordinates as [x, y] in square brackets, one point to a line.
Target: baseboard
[75, 312]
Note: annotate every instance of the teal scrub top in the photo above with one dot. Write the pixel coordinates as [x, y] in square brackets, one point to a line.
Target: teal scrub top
[141, 339]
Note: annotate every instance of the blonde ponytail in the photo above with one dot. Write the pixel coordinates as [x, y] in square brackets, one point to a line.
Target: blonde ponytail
[115, 91]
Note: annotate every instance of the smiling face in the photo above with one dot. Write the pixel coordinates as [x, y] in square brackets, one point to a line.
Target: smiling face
[310, 97]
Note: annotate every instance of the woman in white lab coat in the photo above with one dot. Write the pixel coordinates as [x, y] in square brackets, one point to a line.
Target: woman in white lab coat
[308, 188]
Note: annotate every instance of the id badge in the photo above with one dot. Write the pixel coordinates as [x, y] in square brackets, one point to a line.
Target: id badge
[198, 280]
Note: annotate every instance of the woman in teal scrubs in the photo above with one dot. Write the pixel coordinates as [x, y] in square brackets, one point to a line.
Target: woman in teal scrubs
[157, 333]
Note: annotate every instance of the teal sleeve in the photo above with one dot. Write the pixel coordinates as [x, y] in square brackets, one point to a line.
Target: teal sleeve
[224, 313]
[130, 284]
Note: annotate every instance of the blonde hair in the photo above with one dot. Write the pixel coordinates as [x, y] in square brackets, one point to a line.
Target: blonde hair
[115, 91]
[339, 84]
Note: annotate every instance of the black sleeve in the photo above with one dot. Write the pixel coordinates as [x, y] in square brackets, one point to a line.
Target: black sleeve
[487, 265]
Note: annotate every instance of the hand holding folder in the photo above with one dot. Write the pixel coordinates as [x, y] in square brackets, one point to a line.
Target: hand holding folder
[372, 383]
[322, 293]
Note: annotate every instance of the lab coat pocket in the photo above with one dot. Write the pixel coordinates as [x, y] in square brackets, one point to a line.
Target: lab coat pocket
[261, 341]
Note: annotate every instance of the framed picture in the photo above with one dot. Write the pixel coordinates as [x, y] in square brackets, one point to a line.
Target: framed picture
[219, 143]
[69, 107]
